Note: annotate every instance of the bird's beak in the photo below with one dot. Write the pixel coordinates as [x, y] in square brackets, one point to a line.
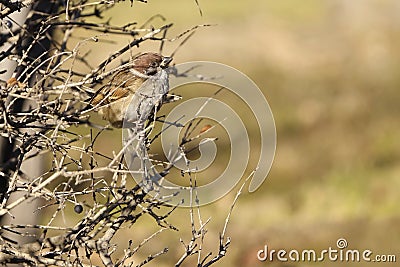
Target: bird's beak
[165, 61]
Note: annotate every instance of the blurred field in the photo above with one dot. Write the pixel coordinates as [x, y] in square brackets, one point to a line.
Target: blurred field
[330, 72]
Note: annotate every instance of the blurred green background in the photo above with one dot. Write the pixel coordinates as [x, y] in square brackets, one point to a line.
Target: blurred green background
[330, 72]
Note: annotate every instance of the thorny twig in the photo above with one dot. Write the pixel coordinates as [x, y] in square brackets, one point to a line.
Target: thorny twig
[55, 85]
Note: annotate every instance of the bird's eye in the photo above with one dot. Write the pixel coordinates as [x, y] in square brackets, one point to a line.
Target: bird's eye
[154, 64]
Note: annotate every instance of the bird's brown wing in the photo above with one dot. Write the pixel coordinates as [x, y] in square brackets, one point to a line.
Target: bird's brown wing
[120, 85]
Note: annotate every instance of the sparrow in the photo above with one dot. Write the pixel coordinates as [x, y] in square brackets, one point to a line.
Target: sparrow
[113, 99]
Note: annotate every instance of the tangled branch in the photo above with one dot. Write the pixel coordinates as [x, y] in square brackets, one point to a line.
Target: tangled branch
[44, 112]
